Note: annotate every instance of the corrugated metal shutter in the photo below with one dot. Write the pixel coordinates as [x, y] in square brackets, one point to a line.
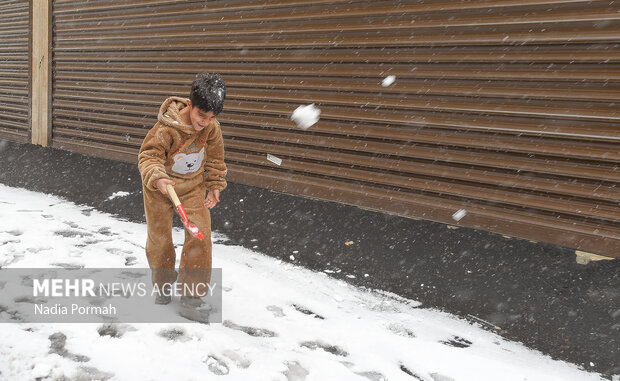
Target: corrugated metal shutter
[507, 109]
[14, 69]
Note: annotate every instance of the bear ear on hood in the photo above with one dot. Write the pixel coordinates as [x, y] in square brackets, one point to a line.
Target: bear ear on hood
[169, 115]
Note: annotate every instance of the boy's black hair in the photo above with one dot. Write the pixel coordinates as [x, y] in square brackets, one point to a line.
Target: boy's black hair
[208, 93]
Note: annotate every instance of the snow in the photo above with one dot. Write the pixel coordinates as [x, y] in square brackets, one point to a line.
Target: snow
[220, 94]
[274, 159]
[118, 194]
[459, 214]
[281, 321]
[306, 116]
[387, 81]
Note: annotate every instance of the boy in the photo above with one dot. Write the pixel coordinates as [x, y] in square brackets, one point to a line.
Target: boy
[184, 149]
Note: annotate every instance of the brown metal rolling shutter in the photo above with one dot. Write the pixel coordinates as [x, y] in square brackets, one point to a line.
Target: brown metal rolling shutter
[504, 108]
[14, 84]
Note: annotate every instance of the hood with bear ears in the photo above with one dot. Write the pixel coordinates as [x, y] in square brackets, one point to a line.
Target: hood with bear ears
[169, 115]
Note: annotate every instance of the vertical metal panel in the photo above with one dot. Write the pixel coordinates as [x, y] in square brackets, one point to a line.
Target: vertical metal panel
[40, 80]
[14, 69]
[505, 108]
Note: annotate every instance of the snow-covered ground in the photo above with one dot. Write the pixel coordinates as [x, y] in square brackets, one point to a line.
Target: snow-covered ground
[281, 321]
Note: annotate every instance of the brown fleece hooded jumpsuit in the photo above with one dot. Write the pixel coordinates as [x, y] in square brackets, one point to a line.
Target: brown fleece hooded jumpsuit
[194, 160]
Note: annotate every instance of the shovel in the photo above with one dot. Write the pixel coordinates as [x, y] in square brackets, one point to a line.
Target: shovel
[193, 229]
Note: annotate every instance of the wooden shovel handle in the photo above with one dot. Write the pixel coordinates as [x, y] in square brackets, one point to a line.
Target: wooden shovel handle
[173, 195]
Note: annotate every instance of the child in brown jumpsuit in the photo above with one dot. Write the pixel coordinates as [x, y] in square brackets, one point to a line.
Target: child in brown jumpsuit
[184, 149]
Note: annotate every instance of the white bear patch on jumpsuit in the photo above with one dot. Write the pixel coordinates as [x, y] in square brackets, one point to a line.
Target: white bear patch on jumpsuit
[185, 163]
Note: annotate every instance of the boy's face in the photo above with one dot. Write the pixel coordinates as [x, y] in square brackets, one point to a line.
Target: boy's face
[200, 119]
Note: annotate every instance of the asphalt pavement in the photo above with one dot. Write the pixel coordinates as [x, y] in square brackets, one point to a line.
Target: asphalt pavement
[531, 292]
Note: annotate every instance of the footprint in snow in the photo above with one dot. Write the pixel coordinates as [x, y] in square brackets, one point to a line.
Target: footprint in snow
[71, 224]
[114, 250]
[409, 372]
[239, 360]
[200, 315]
[457, 342]
[401, 330]
[129, 259]
[72, 233]
[35, 250]
[256, 332]
[216, 366]
[68, 266]
[99, 300]
[276, 311]
[10, 258]
[57, 343]
[114, 330]
[9, 241]
[106, 230]
[26, 280]
[333, 349]
[57, 346]
[29, 299]
[94, 241]
[14, 233]
[174, 334]
[11, 315]
[440, 377]
[306, 311]
[371, 375]
[92, 373]
[294, 371]
[129, 274]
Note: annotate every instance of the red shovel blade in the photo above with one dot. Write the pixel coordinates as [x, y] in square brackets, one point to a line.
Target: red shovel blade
[193, 229]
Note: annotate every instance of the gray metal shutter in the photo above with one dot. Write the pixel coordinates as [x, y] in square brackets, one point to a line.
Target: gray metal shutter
[506, 109]
[14, 69]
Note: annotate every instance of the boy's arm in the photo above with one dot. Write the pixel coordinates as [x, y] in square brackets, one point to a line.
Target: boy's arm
[215, 168]
[151, 159]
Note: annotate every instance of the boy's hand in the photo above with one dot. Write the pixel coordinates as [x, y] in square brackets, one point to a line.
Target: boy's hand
[212, 198]
[161, 185]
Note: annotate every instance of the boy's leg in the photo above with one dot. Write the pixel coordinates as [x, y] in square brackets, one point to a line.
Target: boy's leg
[159, 247]
[195, 268]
